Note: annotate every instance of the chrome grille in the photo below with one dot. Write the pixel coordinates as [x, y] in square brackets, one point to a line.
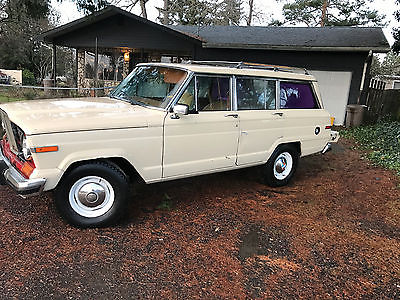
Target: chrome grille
[9, 131]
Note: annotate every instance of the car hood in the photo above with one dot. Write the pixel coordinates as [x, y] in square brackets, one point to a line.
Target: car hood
[77, 114]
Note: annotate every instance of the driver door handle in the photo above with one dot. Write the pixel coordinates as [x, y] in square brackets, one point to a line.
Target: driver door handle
[232, 115]
[278, 114]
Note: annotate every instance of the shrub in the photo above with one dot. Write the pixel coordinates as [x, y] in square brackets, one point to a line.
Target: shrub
[382, 140]
[28, 78]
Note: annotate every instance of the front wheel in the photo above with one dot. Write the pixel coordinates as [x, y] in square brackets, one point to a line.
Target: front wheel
[281, 166]
[93, 195]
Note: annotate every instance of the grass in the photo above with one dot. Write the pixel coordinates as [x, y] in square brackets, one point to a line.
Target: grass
[6, 98]
[382, 142]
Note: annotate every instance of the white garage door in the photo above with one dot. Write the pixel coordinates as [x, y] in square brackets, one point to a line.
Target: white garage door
[334, 87]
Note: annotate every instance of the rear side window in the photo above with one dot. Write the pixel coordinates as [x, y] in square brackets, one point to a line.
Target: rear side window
[255, 93]
[296, 95]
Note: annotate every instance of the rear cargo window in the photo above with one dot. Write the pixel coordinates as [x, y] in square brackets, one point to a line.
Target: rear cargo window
[294, 95]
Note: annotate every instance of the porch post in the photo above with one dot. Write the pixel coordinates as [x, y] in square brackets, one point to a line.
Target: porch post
[80, 60]
[125, 67]
[54, 65]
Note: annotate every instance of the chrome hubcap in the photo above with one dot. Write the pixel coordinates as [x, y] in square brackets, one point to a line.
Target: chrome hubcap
[283, 165]
[91, 196]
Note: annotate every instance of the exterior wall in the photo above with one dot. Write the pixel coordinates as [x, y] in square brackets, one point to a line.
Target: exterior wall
[312, 60]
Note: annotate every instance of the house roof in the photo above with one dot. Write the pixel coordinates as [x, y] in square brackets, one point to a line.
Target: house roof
[249, 37]
[290, 38]
[105, 13]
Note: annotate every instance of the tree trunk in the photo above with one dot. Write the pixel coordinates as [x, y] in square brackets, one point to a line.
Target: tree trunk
[143, 8]
[249, 18]
[323, 15]
[165, 19]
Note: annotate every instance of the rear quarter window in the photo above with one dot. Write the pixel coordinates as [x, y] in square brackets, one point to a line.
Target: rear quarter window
[297, 95]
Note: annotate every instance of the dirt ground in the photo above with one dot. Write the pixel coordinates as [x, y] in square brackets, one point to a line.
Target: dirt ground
[334, 232]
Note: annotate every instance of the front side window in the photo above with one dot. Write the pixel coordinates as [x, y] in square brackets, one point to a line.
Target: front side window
[255, 93]
[150, 85]
[213, 93]
[295, 95]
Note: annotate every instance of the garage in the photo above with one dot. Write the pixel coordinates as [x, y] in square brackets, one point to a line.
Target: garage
[339, 57]
[334, 87]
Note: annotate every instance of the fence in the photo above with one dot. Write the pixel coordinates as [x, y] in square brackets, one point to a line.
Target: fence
[18, 92]
[381, 103]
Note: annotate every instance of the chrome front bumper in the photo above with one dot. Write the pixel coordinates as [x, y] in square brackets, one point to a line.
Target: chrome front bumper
[24, 187]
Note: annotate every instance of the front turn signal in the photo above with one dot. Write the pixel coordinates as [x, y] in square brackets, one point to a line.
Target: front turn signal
[45, 149]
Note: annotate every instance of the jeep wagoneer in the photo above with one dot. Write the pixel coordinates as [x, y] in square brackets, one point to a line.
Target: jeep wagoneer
[163, 122]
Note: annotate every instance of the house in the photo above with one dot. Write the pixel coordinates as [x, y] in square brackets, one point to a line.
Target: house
[339, 57]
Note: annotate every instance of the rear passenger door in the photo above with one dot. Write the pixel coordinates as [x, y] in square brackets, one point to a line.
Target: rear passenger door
[261, 123]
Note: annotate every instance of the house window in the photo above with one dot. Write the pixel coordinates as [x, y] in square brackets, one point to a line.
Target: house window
[396, 85]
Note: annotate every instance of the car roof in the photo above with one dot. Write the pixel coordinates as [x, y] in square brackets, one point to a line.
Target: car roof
[279, 72]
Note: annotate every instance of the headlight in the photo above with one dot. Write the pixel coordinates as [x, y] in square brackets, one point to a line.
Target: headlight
[25, 149]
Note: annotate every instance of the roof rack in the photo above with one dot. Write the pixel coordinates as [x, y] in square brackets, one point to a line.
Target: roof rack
[246, 65]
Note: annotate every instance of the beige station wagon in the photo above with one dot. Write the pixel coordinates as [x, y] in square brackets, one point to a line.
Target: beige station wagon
[163, 122]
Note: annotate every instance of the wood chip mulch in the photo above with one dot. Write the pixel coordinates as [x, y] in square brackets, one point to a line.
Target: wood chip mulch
[334, 232]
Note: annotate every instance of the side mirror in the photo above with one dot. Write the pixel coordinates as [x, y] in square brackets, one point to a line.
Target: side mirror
[181, 109]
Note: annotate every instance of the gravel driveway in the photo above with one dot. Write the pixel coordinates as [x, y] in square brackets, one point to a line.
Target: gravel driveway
[334, 232]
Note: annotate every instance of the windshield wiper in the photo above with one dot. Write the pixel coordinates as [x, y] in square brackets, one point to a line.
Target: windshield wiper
[123, 97]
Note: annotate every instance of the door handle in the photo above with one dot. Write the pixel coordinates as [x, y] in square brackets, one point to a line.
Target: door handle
[232, 115]
[278, 114]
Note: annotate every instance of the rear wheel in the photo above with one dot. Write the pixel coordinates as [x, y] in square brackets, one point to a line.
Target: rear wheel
[93, 195]
[281, 166]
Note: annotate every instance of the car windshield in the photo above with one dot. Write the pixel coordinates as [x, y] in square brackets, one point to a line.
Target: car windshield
[150, 86]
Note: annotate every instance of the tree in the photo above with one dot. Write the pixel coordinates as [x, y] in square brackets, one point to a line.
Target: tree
[331, 13]
[253, 13]
[389, 66]
[396, 31]
[201, 12]
[89, 6]
[15, 11]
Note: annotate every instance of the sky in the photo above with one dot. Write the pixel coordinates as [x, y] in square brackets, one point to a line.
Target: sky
[271, 9]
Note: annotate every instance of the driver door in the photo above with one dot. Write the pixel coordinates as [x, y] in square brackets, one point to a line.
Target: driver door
[206, 139]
